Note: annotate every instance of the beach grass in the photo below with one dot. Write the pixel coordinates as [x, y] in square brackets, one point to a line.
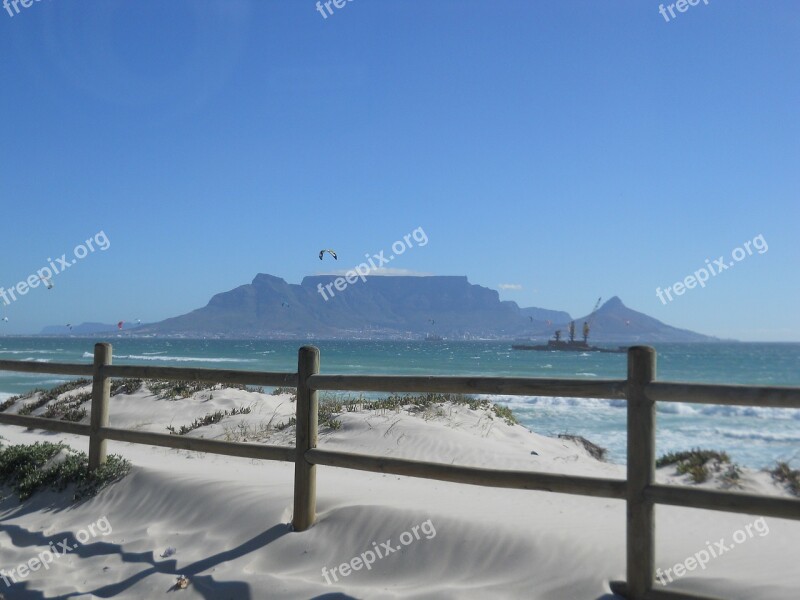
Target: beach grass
[28, 468]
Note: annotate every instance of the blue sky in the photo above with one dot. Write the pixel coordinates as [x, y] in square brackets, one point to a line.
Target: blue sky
[574, 149]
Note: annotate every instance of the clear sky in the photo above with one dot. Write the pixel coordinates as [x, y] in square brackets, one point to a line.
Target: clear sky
[566, 150]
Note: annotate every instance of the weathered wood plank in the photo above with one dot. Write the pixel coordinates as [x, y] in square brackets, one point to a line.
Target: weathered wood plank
[750, 504]
[519, 386]
[46, 424]
[305, 473]
[240, 449]
[101, 393]
[209, 375]
[20, 366]
[524, 480]
[730, 395]
[641, 528]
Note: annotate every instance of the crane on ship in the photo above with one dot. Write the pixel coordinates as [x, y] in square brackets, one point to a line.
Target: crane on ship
[558, 344]
[587, 324]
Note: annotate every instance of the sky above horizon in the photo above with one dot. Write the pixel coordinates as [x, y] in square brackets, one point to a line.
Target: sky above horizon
[554, 151]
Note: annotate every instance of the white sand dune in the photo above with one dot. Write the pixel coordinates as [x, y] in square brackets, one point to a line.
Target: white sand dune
[227, 519]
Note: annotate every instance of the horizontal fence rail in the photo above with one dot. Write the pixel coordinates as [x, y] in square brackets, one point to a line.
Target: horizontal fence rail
[509, 386]
[55, 368]
[751, 504]
[46, 424]
[241, 449]
[523, 480]
[639, 489]
[729, 395]
[207, 375]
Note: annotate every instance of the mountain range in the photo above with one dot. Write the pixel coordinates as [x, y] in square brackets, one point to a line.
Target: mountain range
[392, 307]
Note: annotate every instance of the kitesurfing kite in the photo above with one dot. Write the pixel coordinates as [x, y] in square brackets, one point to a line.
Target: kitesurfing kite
[331, 252]
[120, 324]
[70, 326]
[47, 282]
[286, 304]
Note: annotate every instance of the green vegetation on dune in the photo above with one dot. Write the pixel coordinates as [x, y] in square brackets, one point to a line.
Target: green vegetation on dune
[285, 390]
[179, 390]
[331, 405]
[28, 468]
[69, 408]
[125, 386]
[209, 419]
[787, 476]
[697, 464]
[45, 396]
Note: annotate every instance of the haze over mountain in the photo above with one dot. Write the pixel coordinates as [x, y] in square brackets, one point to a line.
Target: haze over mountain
[385, 307]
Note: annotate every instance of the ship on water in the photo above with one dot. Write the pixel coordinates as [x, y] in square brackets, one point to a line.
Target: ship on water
[572, 345]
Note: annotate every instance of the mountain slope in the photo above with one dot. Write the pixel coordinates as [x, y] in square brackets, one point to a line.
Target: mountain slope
[392, 307]
[615, 322]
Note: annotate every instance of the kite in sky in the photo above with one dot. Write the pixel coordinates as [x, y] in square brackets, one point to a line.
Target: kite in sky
[331, 252]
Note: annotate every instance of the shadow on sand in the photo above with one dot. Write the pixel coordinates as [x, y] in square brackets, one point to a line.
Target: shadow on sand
[205, 585]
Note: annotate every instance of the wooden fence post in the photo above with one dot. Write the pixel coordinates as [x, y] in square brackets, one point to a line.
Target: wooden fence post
[305, 473]
[641, 472]
[101, 392]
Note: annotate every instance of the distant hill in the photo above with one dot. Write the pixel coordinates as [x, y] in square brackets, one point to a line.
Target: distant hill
[384, 307]
[615, 322]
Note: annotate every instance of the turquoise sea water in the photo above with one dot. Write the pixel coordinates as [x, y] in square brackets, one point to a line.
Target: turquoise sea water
[754, 436]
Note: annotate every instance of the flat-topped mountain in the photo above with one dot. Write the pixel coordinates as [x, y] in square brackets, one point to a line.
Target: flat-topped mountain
[381, 306]
[397, 307]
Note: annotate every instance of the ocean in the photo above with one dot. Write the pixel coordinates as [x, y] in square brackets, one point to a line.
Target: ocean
[756, 437]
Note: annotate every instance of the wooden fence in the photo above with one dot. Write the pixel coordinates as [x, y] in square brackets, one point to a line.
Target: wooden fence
[639, 490]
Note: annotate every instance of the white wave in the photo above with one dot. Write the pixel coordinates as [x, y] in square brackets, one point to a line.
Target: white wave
[39, 360]
[154, 353]
[670, 408]
[554, 401]
[588, 374]
[719, 410]
[757, 435]
[25, 352]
